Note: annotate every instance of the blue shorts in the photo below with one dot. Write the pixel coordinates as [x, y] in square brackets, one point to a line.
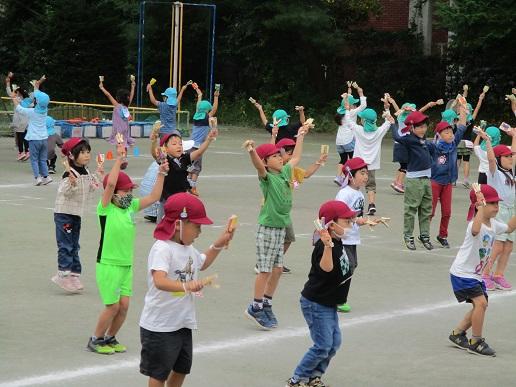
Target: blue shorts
[465, 289]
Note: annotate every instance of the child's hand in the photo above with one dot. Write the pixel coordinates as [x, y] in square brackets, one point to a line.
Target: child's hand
[149, 87]
[164, 167]
[153, 136]
[258, 106]
[481, 96]
[323, 158]
[481, 201]
[349, 83]
[216, 93]
[198, 91]
[248, 145]
[465, 87]
[355, 86]
[344, 95]
[212, 135]
[120, 150]
[300, 108]
[325, 238]
[100, 169]
[193, 286]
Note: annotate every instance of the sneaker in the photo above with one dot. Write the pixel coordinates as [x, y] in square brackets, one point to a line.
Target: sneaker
[488, 281]
[113, 343]
[443, 241]
[64, 282]
[480, 347]
[99, 346]
[38, 181]
[193, 191]
[76, 282]
[501, 283]
[317, 382]
[397, 187]
[267, 309]
[20, 156]
[409, 242]
[286, 270]
[466, 184]
[371, 210]
[151, 219]
[338, 180]
[344, 308]
[258, 317]
[47, 180]
[52, 170]
[256, 270]
[425, 241]
[460, 341]
[291, 383]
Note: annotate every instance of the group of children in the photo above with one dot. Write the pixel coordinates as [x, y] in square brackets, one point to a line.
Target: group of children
[167, 321]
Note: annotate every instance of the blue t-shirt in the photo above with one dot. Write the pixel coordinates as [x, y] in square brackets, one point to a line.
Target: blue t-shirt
[167, 115]
[200, 131]
[37, 129]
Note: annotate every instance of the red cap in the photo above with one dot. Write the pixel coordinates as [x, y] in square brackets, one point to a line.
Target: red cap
[490, 196]
[441, 126]
[165, 138]
[335, 209]
[284, 142]
[353, 164]
[70, 144]
[266, 150]
[502, 150]
[123, 183]
[180, 206]
[415, 118]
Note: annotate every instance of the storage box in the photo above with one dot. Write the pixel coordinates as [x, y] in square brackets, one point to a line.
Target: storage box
[89, 130]
[77, 131]
[136, 129]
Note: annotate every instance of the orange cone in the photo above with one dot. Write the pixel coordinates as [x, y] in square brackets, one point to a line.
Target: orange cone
[109, 155]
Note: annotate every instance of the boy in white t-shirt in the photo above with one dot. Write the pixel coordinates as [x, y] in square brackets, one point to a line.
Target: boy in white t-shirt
[466, 270]
[355, 175]
[168, 315]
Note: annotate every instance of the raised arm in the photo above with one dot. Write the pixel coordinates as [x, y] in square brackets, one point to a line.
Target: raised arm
[393, 103]
[38, 83]
[298, 149]
[312, 168]
[491, 158]
[199, 95]
[113, 176]
[274, 134]
[204, 146]
[429, 105]
[180, 95]
[8, 87]
[131, 94]
[461, 126]
[153, 100]
[301, 110]
[107, 94]
[479, 104]
[155, 194]
[263, 118]
[215, 106]
[465, 89]
[257, 163]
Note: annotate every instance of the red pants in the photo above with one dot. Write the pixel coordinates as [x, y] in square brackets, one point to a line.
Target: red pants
[444, 194]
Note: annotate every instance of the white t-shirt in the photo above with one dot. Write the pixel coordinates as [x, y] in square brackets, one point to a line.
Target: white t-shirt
[354, 199]
[503, 186]
[345, 133]
[483, 165]
[475, 250]
[368, 145]
[170, 311]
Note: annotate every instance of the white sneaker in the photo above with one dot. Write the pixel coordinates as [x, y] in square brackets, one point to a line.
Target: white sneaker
[47, 180]
[38, 181]
[76, 282]
[64, 281]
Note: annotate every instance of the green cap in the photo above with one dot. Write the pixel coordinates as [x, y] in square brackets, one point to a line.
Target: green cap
[203, 108]
[449, 116]
[281, 116]
[494, 133]
[369, 116]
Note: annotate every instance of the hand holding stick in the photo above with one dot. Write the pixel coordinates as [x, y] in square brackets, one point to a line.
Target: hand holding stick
[480, 196]
[248, 145]
[323, 233]
[230, 228]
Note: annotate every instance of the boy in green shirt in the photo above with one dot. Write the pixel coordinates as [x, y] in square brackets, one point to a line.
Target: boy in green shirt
[274, 217]
[114, 270]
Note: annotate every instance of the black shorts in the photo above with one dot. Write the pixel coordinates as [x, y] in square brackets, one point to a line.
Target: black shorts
[351, 252]
[163, 352]
[482, 178]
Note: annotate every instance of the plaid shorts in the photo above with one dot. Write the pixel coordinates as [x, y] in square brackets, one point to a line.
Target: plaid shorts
[269, 248]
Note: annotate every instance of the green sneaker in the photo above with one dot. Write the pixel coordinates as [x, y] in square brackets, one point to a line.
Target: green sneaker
[113, 343]
[344, 308]
[100, 347]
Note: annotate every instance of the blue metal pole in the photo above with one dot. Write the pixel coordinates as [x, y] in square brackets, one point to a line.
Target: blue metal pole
[212, 61]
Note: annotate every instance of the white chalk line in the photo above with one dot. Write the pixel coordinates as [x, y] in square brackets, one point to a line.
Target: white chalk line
[243, 342]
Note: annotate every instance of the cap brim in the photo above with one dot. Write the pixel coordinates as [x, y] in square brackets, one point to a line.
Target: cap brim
[125, 188]
[204, 220]
[165, 229]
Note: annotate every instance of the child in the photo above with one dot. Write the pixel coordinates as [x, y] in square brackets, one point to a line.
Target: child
[281, 118]
[201, 127]
[444, 172]
[36, 133]
[73, 194]
[501, 177]
[368, 138]
[53, 140]
[274, 178]
[466, 270]
[168, 315]
[168, 108]
[418, 191]
[286, 147]
[325, 289]
[355, 174]
[345, 140]
[121, 115]
[179, 162]
[114, 269]
[481, 152]
[20, 122]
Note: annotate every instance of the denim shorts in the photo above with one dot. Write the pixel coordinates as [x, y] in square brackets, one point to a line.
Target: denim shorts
[349, 147]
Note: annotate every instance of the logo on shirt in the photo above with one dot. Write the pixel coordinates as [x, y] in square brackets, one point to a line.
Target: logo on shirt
[186, 274]
[484, 253]
[442, 159]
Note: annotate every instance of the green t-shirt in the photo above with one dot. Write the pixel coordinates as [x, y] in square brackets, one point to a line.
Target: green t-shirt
[117, 233]
[277, 194]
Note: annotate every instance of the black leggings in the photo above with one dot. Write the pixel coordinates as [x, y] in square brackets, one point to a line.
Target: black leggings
[345, 157]
[22, 143]
[482, 178]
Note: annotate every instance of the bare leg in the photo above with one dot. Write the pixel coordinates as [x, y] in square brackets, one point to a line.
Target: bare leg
[259, 285]
[120, 316]
[466, 170]
[273, 281]
[477, 316]
[106, 319]
[286, 245]
[371, 196]
[155, 383]
[175, 379]
[497, 250]
[397, 178]
[465, 324]
[501, 265]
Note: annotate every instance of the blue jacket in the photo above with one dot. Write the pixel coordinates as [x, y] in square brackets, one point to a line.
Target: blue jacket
[418, 150]
[444, 162]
